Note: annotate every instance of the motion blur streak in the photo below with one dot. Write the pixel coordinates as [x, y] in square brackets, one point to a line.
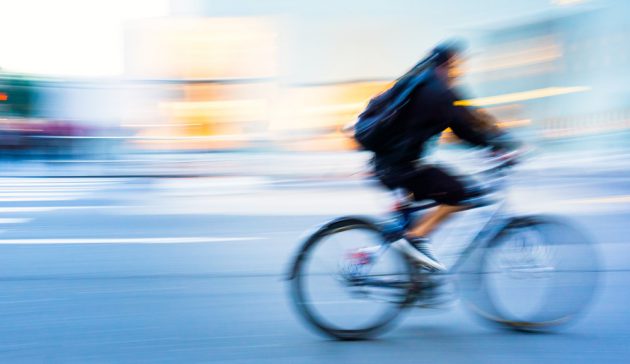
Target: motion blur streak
[521, 96]
[161, 160]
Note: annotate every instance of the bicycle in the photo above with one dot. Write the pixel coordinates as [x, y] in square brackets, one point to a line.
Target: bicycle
[547, 261]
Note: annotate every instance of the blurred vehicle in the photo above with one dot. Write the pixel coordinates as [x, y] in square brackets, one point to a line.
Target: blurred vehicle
[24, 137]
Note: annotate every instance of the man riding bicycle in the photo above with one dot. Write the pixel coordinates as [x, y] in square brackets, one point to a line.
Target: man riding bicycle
[430, 109]
[347, 283]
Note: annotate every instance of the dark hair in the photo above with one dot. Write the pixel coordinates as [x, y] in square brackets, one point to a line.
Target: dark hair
[439, 55]
[446, 50]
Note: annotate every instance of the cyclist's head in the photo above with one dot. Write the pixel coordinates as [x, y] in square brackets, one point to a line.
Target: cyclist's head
[444, 58]
[447, 57]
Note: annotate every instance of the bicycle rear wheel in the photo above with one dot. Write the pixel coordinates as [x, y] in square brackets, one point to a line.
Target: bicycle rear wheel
[539, 272]
[347, 283]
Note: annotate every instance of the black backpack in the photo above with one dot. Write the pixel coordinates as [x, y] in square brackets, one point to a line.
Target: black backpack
[374, 129]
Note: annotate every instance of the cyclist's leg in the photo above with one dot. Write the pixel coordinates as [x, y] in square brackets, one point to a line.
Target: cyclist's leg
[432, 219]
[435, 183]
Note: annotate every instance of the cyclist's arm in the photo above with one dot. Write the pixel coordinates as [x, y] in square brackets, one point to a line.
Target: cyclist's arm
[477, 127]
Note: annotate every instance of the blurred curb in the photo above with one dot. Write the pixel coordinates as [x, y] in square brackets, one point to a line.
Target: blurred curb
[308, 166]
[348, 166]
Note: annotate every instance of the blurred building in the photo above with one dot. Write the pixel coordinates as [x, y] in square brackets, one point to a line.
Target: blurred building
[45, 116]
[561, 75]
[280, 74]
[223, 75]
[216, 85]
[273, 75]
[212, 80]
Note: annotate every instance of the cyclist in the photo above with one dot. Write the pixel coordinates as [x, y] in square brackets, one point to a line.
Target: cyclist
[430, 110]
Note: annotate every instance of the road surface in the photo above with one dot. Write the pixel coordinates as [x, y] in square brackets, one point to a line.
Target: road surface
[112, 270]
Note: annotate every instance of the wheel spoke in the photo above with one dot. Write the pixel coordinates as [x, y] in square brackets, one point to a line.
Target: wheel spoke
[372, 282]
[539, 272]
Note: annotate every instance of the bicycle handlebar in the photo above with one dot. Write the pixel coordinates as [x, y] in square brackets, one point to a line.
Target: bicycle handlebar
[504, 161]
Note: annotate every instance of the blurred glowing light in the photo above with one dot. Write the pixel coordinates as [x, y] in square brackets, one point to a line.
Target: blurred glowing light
[521, 96]
[3, 97]
[202, 48]
[350, 107]
[546, 53]
[514, 123]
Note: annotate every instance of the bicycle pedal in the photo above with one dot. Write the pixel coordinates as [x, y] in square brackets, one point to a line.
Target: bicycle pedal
[435, 292]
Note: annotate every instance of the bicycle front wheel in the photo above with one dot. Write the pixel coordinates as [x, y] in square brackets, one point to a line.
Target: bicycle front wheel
[539, 272]
[347, 283]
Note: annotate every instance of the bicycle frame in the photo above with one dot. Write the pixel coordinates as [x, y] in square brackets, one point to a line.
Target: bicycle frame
[493, 225]
[413, 285]
[491, 228]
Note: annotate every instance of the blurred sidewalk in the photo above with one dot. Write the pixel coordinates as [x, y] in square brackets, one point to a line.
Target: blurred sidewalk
[298, 166]
[279, 165]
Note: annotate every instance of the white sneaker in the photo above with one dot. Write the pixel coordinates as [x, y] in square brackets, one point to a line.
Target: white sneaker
[420, 251]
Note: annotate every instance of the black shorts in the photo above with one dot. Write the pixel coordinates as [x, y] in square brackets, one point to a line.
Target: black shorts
[427, 183]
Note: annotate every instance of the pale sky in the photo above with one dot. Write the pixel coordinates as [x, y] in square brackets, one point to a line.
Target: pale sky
[334, 40]
[69, 37]
[321, 40]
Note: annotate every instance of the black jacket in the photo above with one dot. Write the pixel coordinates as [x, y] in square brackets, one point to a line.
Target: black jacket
[430, 110]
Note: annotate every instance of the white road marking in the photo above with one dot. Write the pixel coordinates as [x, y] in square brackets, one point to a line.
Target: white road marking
[55, 191]
[14, 220]
[156, 240]
[21, 209]
[44, 189]
[37, 199]
[51, 193]
[9, 180]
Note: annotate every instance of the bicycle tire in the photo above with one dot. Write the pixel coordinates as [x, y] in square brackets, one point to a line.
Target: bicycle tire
[576, 295]
[297, 286]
